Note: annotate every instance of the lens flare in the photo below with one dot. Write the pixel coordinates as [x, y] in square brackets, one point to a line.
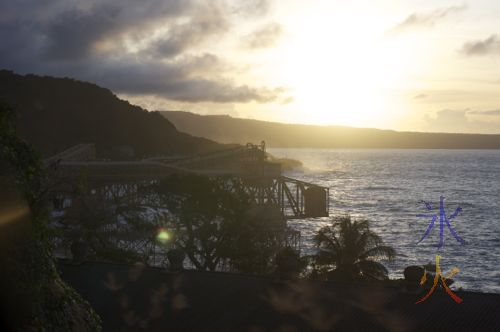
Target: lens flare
[163, 236]
[13, 215]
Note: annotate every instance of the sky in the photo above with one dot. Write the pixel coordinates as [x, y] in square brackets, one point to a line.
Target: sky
[403, 65]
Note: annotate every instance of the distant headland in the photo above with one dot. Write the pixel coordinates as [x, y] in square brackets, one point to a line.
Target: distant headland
[226, 129]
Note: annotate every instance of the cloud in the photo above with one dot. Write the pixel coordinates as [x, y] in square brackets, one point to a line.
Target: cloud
[75, 32]
[265, 36]
[252, 8]
[488, 113]
[463, 121]
[200, 90]
[427, 19]
[287, 100]
[490, 45]
[420, 96]
[188, 79]
[180, 37]
[149, 47]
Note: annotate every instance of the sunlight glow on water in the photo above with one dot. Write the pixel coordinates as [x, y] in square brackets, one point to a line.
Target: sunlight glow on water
[388, 186]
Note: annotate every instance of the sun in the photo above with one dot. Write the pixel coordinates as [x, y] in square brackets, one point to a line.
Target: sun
[340, 69]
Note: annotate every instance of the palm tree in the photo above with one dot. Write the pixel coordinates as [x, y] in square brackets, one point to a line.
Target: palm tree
[350, 250]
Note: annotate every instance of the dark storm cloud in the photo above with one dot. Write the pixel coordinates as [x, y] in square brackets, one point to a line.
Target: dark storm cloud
[427, 19]
[265, 36]
[88, 40]
[182, 36]
[490, 45]
[72, 29]
[175, 80]
[220, 92]
[73, 34]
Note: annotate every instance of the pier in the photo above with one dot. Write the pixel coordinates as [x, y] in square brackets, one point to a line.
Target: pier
[246, 167]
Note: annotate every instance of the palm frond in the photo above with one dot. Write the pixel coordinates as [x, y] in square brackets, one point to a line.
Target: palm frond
[348, 245]
[372, 268]
[380, 251]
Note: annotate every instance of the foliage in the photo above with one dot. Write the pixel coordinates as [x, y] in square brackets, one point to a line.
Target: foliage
[289, 263]
[32, 293]
[22, 162]
[255, 239]
[202, 209]
[350, 250]
[106, 228]
[215, 224]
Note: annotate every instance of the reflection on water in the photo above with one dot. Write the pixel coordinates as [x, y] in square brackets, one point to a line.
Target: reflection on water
[388, 186]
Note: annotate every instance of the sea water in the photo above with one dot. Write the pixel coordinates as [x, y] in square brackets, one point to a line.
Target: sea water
[388, 188]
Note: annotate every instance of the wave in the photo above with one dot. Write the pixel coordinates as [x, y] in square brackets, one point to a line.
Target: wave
[381, 188]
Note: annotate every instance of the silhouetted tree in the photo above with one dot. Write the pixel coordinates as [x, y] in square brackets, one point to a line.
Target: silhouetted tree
[106, 229]
[255, 239]
[350, 250]
[215, 224]
[201, 209]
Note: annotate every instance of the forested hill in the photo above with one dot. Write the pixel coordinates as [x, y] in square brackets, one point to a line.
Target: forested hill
[57, 113]
[226, 129]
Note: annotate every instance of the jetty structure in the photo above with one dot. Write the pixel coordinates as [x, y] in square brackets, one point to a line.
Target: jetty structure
[245, 167]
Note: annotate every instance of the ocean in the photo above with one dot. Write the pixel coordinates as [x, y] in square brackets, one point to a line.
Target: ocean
[388, 187]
